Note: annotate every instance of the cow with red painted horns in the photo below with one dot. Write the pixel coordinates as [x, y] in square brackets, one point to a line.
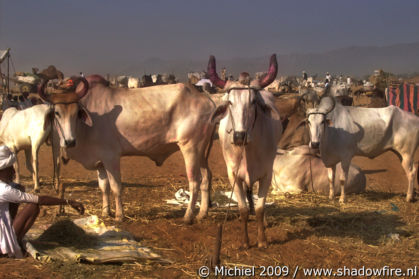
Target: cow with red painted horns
[249, 131]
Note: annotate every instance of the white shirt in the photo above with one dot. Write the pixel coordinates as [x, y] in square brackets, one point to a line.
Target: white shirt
[8, 240]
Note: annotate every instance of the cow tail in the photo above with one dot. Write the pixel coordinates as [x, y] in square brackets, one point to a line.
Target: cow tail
[210, 143]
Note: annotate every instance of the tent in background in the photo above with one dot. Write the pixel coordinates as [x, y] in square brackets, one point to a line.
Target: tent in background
[404, 96]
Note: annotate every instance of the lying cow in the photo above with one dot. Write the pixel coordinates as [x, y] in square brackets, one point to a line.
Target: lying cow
[249, 131]
[298, 170]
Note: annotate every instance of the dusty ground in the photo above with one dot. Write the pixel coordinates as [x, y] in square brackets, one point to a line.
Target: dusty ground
[304, 230]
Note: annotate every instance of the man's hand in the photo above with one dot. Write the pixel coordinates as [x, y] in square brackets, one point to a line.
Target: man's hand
[77, 206]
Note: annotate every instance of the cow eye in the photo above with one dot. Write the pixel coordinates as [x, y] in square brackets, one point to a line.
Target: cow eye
[57, 113]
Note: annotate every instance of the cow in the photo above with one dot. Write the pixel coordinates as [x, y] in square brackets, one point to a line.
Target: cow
[96, 79]
[154, 122]
[249, 131]
[341, 132]
[28, 129]
[133, 82]
[299, 170]
[146, 81]
[50, 73]
[294, 119]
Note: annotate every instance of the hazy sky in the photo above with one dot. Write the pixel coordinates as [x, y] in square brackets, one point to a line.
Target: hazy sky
[92, 35]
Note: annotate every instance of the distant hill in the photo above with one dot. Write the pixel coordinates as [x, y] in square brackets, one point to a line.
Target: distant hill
[355, 61]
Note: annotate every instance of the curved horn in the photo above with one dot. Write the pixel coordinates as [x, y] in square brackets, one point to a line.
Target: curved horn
[41, 91]
[327, 104]
[212, 72]
[273, 70]
[83, 92]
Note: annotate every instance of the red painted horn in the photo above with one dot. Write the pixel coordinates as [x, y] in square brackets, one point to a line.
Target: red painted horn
[41, 91]
[83, 92]
[273, 70]
[212, 73]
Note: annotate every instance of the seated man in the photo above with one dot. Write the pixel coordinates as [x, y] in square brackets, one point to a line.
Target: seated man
[13, 224]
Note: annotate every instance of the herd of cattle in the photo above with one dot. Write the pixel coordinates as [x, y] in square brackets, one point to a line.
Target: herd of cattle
[264, 139]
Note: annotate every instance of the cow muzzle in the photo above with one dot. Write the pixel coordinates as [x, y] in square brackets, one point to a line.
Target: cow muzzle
[240, 138]
[70, 143]
[314, 145]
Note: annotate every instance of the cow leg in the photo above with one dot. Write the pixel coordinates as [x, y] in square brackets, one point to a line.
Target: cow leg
[249, 195]
[239, 192]
[411, 171]
[260, 210]
[103, 181]
[35, 176]
[57, 166]
[344, 173]
[114, 176]
[193, 172]
[331, 173]
[205, 192]
[16, 166]
[28, 158]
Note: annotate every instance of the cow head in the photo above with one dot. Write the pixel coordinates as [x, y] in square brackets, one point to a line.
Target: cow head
[243, 101]
[66, 110]
[317, 121]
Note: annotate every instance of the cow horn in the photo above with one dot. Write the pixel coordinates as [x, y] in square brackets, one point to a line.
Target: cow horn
[327, 104]
[41, 90]
[273, 70]
[85, 88]
[212, 72]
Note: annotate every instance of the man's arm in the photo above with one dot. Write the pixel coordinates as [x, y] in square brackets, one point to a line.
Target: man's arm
[48, 200]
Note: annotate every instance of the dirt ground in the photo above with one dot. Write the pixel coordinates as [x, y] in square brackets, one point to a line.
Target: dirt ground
[304, 230]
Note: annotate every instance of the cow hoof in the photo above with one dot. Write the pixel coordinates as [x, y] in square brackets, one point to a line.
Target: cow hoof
[119, 219]
[245, 246]
[342, 200]
[410, 198]
[201, 216]
[263, 244]
[106, 213]
[36, 190]
[188, 220]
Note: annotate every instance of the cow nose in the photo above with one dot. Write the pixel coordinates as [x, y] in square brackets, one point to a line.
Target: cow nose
[314, 145]
[70, 143]
[239, 138]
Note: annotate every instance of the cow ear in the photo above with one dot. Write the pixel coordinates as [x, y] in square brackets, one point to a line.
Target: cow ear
[219, 113]
[84, 115]
[49, 117]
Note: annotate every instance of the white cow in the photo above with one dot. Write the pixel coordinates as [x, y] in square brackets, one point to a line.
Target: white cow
[26, 130]
[249, 132]
[133, 82]
[342, 132]
[299, 170]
